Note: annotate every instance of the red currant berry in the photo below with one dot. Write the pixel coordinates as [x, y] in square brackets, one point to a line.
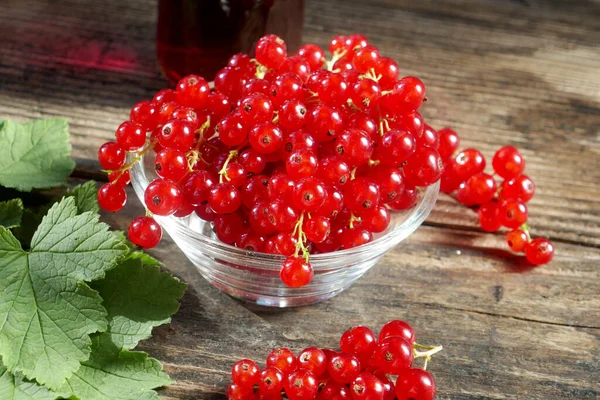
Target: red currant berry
[389, 390]
[393, 355]
[309, 195]
[283, 359]
[224, 198]
[120, 178]
[337, 44]
[146, 114]
[296, 65]
[333, 204]
[333, 171]
[361, 194]
[343, 368]
[204, 212]
[520, 188]
[296, 141]
[449, 142]
[354, 147]
[292, 114]
[265, 138]
[376, 220]
[508, 162]
[301, 385]
[395, 148]
[389, 71]
[256, 108]
[245, 373]
[406, 200]
[112, 197]
[255, 190]
[512, 213]
[282, 216]
[334, 391]
[111, 156]
[366, 387]
[301, 163]
[284, 244]
[236, 392]
[314, 360]
[271, 51]
[286, 87]
[317, 228]
[517, 240]
[333, 90]
[428, 138]
[192, 91]
[424, 167]
[270, 383]
[252, 161]
[218, 106]
[468, 163]
[366, 58]
[171, 164]
[242, 61]
[364, 122]
[489, 217]
[229, 227]
[390, 182]
[162, 197]
[296, 272]
[359, 341]
[415, 384]
[365, 94]
[131, 136]
[324, 122]
[197, 185]
[144, 232]
[481, 188]
[177, 134]
[354, 237]
[165, 96]
[230, 81]
[397, 328]
[539, 251]
[251, 242]
[313, 54]
[232, 129]
[407, 96]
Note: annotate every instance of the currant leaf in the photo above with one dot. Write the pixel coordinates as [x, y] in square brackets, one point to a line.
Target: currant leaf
[86, 198]
[46, 311]
[134, 308]
[114, 372]
[11, 212]
[15, 387]
[35, 154]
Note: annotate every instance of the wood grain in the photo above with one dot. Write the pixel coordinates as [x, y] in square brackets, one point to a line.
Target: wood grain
[522, 72]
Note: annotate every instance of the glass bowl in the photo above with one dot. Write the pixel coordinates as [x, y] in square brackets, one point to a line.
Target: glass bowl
[254, 277]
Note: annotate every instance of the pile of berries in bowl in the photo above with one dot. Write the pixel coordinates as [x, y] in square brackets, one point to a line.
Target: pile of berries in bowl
[287, 180]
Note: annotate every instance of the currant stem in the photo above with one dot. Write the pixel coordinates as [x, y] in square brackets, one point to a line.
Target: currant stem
[353, 219]
[137, 156]
[301, 239]
[525, 227]
[194, 155]
[338, 55]
[428, 353]
[223, 171]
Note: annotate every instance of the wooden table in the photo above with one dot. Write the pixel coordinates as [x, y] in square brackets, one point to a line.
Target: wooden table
[522, 72]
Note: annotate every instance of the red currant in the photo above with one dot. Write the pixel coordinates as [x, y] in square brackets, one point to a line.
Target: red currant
[449, 142]
[359, 341]
[397, 328]
[395, 148]
[192, 91]
[171, 164]
[296, 272]
[283, 359]
[314, 360]
[177, 134]
[366, 387]
[245, 373]
[512, 213]
[393, 355]
[343, 368]
[519, 188]
[162, 197]
[313, 54]
[517, 240]
[271, 51]
[301, 385]
[112, 197]
[270, 382]
[131, 136]
[144, 232]
[265, 138]
[539, 251]
[508, 162]
[224, 198]
[415, 384]
[111, 156]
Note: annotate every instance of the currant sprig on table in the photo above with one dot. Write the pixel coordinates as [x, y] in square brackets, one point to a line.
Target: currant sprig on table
[500, 204]
[363, 369]
[290, 155]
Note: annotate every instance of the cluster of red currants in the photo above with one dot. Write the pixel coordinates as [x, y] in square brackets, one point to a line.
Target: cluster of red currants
[362, 370]
[500, 205]
[287, 154]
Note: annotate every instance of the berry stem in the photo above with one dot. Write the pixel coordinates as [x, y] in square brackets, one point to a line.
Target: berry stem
[301, 238]
[137, 156]
[194, 155]
[223, 171]
[432, 350]
[338, 55]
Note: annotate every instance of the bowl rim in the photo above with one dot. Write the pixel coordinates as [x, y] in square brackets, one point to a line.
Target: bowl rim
[418, 214]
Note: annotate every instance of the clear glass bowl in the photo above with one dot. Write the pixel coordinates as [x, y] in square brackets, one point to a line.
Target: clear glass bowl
[254, 277]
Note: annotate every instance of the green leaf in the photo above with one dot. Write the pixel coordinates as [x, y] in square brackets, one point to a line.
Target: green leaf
[11, 212]
[35, 154]
[113, 374]
[137, 298]
[16, 388]
[86, 197]
[46, 311]
[29, 223]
